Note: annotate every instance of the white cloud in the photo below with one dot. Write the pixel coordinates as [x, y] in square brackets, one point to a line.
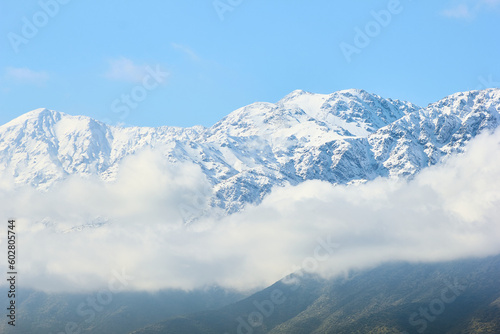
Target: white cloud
[186, 50]
[447, 212]
[469, 9]
[25, 75]
[124, 69]
[460, 11]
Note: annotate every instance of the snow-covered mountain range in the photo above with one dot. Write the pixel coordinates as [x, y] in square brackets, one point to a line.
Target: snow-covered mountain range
[343, 137]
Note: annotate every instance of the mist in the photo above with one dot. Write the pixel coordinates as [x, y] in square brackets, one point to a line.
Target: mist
[449, 211]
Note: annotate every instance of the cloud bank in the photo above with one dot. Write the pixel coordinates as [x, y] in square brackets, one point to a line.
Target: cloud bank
[469, 9]
[447, 212]
[24, 75]
[124, 69]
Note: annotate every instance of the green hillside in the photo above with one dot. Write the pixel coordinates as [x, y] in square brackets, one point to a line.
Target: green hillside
[452, 297]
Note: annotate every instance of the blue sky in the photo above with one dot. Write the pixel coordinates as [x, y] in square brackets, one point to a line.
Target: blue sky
[188, 62]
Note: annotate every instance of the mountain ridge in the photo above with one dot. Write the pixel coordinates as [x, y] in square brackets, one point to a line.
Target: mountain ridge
[343, 137]
[459, 296]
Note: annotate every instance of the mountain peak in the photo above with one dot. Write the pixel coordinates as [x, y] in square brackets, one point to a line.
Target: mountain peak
[354, 91]
[41, 112]
[40, 116]
[294, 94]
[463, 103]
